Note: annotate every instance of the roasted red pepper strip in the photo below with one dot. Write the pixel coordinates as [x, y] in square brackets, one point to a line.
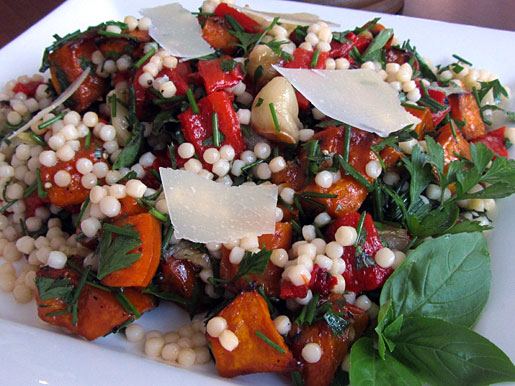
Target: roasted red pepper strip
[28, 88]
[248, 24]
[291, 291]
[495, 141]
[303, 102]
[214, 78]
[321, 281]
[198, 127]
[340, 50]
[361, 279]
[302, 59]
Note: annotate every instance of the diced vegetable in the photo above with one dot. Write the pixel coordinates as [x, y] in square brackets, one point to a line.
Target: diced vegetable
[464, 108]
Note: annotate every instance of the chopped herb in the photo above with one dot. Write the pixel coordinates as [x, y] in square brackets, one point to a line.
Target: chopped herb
[192, 102]
[82, 211]
[114, 253]
[87, 142]
[359, 228]
[113, 102]
[173, 159]
[117, 35]
[41, 192]
[355, 174]
[373, 51]
[76, 294]
[259, 102]
[340, 36]
[314, 58]
[301, 32]
[461, 59]
[318, 194]
[270, 342]
[216, 132]
[253, 263]
[228, 65]
[258, 73]
[152, 210]
[49, 288]
[45, 124]
[346, 143]
[144, 58]
[126, 303]
[129, 176]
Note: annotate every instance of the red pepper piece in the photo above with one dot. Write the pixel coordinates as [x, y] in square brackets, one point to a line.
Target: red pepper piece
[321, 281]
[248, 24]
[495, 141]
[33, 202]
[342, 50]
[214, 78]
[198, 127]
[303, 102]
[122, 76]
[178, 76]
[140, 93]
[28, 88]
[361, 279]
[291, 291]
[302, 59]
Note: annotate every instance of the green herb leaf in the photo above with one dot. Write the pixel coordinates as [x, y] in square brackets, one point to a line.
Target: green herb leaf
[373, 51]
[447, 277]
[114, 253]
[424, 344]
[253, 263]
[131, 151]
[336, 322]
[49, 288]
[368, 369]
[228, 65]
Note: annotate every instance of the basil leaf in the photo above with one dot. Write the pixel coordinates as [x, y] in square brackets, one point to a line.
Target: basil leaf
[228, 65]
[467, 226]
[336, 322]
[447, 278]
[449, 354]
[368, 369]
[114, 254]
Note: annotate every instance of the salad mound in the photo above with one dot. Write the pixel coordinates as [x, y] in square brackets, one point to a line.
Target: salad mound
[315, 200]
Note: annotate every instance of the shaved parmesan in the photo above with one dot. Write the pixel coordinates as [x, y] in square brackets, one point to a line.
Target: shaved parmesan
[58, 102]
[357, 97]
[290, 18]
[177, 31]
[205, 211]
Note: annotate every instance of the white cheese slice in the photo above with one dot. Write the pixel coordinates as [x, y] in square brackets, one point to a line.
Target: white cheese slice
[301, 18]
[359, 98]
[177, 31]
[58, 102]
[205, 211]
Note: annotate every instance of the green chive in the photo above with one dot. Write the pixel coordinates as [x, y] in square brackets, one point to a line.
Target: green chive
[87, 142]
[274, 117]
[45, 124]
[309, 200]
[192, 101]
[461, 59]
[120, 230]
[78, 290]
[270, 342]
[38, 139]
[82, 211]
[317, 194]
[296, 227]
[115, 35]
[129, 176]
[30, 190]
[166, 238]
[144, 58]
[314, 59]
[355, 174]
[216, 133]
[346, 143]
[251, 165]
[359, 228]
[7, 206]
[41, 192]
[413, 106]
[126, 303]
[453, 129]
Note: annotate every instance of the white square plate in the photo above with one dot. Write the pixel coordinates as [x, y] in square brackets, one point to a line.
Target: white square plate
[32, 353]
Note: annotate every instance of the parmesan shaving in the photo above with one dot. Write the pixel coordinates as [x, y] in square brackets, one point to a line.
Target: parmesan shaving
[177, 31]
[302, 18]
[357, 97]
[58, 102]
[205, 211]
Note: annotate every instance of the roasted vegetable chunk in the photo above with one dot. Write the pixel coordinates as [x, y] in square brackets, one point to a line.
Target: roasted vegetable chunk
[178, 276]
[247, 315]
[141, 272]
[98, 311]
[66, 65]
[452, 144]
[464, 107]
[333, 347]
[271, 278]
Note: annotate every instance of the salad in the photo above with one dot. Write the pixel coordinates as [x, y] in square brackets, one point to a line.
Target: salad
[84, 201]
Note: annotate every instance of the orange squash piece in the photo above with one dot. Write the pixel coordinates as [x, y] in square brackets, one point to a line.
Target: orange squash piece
[246, 315]
[178, 276]
[426, 121]
[74, 193]
[98, 311]
[333, 348]
[452, 145]
[271, 278]
[66, 65]
[464, 107]
[141, 272]
[216, 33]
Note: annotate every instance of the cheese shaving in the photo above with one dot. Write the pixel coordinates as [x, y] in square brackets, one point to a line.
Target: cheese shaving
[58, 102]
[205, 211]
[359, 98]
[177, 31]
[301, 18]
